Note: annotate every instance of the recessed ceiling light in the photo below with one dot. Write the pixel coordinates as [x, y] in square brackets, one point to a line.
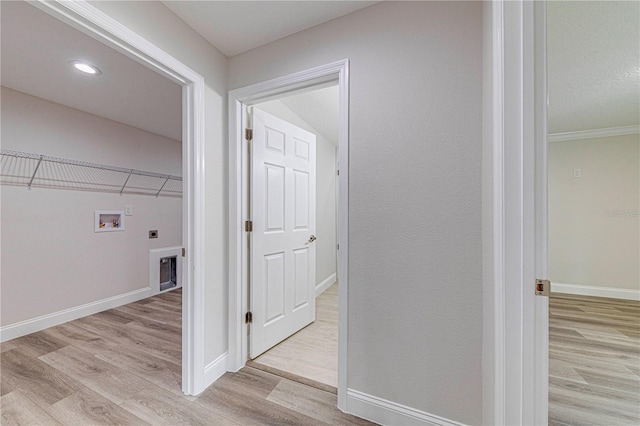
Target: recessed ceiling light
[85, 67]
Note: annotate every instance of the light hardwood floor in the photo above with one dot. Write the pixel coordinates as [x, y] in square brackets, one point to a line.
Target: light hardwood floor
[312, 352]
[594, 361]
[123, 367]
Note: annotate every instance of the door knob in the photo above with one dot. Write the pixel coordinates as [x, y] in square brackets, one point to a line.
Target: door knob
[312, 238]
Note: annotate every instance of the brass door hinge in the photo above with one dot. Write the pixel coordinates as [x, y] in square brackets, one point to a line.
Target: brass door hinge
[248, 225]
[248, 134]
[248, 318]
[543, 287]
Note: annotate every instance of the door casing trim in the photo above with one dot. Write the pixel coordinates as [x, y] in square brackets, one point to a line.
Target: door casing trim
[87, 18]
[515, 343]
[238, 208]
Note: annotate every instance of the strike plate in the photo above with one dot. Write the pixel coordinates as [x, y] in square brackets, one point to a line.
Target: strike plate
[543, 287]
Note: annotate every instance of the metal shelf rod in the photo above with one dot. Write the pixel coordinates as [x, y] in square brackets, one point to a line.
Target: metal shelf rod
[86, 164]
[83, 176]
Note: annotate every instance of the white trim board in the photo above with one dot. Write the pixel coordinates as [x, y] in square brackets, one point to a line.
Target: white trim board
[597, 291]
[386, 412]
[515, 342]
[595, 133]
[325, 284]
[239, 99]
[85, 17]
[216, 368]
[23, 328]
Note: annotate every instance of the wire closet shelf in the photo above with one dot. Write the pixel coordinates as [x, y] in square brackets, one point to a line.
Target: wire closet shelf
[42, 171]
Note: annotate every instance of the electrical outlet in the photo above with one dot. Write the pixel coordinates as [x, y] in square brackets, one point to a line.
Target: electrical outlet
[128, 210]
[577, 173]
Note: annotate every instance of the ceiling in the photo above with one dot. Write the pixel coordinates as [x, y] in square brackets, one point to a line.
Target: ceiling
[319, 108]
[593, 60]
[593, 64]
[35, 51]
[237, 26]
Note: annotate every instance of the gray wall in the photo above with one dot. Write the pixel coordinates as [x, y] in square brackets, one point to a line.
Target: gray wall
[52, 259]
[594, 219]
[415, 300]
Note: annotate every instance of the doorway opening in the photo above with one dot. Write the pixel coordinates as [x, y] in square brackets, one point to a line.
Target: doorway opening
[335, 74]
[99, 26]
[311, 351]
[593, 171]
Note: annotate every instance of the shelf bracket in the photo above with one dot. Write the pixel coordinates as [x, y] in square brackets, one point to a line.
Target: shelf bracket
[34, 172]
[125, 182]
[162, 187]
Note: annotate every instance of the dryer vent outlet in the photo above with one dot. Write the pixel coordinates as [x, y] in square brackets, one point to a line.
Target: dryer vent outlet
[168, 272]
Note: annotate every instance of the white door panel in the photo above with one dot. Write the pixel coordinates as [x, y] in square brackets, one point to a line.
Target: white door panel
[283, 208]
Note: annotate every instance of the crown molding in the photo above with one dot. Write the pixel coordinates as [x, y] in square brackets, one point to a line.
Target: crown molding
[595, 133]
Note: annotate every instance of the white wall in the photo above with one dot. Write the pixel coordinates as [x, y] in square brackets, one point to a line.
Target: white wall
[594, 220]
[51, 257]
[153, 21]
[326, 254]
[415, 293]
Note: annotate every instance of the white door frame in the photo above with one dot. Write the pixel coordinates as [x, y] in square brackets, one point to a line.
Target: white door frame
[90, 20]
[517, 348]
[238, 209]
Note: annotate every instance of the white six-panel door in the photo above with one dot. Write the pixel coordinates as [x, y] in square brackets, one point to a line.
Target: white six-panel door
[283, 211]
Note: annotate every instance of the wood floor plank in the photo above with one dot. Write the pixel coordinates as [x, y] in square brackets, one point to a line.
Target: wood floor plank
[80, 338]
[35, 379]
[564, 370]
[116, 316]
[164, 348]
[312, 402]
[39, 343]
[147, 311]
[159, 407]
[293, 377]
[584, 391]
[86, 407]
[101, 377]
[561, 414]
[594, 359]
[122, 356]
[19, 410]
[604, 409]
[242, 405]
[7, 346]
[313, 351]
[249, 382]
[155, 370]
[627, 385]
[166, 306]
[156, 329]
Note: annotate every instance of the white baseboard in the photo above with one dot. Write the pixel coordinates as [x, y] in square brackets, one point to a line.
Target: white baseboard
[588, 290]
[50, 320]
[215, 369]
[385, 412]
[325, 284]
